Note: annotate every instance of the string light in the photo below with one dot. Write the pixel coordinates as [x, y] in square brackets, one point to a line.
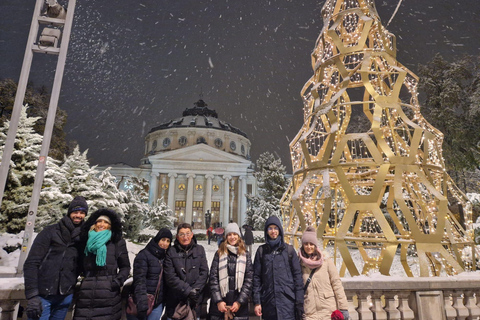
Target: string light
[386, 184]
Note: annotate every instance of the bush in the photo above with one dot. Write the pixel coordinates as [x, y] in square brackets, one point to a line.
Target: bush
[200, 236]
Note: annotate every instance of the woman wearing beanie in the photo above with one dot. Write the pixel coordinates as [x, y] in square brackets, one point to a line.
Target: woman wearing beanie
[148, 276]
[324, 292]
[231, 278]
[105, 267]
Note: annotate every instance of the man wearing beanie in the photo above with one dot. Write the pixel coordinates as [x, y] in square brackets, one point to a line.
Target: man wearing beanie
[277, 277]
[50, 271]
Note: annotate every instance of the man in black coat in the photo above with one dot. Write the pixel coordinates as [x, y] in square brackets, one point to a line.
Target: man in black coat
[277, 277]
[185, 270]
[50, 271]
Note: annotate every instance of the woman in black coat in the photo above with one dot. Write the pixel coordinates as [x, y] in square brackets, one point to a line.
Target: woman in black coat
[231, 277]
[147, 267]
[105, 267]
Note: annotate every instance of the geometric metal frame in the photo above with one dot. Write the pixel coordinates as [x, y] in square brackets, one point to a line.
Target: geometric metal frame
[378, 191]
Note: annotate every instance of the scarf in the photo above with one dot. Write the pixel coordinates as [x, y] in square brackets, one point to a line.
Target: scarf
[68, 230]
[96, 244]
[223, 270]
[274, 244]
[312, 264]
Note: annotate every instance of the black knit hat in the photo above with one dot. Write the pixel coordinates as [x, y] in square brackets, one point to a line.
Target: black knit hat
[78, 204]
[163, 233]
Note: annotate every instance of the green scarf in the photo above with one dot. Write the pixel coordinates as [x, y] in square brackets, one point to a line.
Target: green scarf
[96, 245]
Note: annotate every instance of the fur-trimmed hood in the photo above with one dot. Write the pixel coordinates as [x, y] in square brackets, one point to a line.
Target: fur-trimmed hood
[114, 218]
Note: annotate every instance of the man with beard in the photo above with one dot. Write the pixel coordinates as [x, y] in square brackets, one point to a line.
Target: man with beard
[51, 269]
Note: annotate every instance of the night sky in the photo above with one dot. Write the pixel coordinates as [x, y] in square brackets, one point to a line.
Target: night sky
[133, 65]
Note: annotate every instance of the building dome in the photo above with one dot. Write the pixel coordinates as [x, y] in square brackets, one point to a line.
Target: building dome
[197, 125]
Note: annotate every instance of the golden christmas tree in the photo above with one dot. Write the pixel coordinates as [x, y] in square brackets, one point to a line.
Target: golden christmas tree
[368, 170]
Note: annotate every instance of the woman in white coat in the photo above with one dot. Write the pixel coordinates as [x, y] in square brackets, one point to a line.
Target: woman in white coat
[324, 293]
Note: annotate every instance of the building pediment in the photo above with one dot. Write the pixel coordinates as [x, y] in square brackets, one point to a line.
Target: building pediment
[198, 153]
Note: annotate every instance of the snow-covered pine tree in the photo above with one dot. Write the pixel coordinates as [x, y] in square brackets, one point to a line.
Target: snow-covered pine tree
[160, 216]
[272, 184]
[138, 207]
[83, 180]
[115, 198]
[23, 165]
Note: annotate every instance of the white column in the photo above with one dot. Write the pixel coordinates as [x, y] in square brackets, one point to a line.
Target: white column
[226, 202]
[208, 194]
[189, 204]
[242, 199]
[171, 191]
[153, 190]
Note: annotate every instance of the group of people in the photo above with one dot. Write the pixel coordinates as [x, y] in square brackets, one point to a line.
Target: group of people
[174, 279]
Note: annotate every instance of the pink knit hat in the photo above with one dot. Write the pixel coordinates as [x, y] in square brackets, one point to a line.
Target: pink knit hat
[310, 235]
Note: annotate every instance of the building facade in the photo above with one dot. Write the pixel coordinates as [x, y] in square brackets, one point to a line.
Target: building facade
[198, 164]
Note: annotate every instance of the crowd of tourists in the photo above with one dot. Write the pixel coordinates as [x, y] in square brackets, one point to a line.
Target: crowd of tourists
[171, 277]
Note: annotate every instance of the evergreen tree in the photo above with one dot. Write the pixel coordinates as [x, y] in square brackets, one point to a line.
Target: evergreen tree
[160, 216]
[21, 177]
[272, 184]
[83, 180]
[38, 99]
[137, 206]
[452, 105]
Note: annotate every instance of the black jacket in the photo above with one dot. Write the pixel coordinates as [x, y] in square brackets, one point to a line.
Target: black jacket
[248, 236]
[185, 269]
[51, 266]
[99, 295]
[233, 295]
[147, 267]
[277, 279]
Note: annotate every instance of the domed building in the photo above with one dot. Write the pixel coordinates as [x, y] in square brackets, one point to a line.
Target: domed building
[197, 163]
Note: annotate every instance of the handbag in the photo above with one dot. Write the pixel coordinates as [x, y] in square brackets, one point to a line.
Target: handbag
[132, 306]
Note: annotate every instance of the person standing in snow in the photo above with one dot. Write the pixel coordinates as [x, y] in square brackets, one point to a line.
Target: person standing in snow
[231, 277]
[277, 277]
[50, 271]
[324, 292]
[105, 266]
[147, 269]
[185, 271]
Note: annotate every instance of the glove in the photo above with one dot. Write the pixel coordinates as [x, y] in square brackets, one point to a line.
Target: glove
[298, 311]
[345, 314]
[34, 308]
[193, 296]
[141, 314]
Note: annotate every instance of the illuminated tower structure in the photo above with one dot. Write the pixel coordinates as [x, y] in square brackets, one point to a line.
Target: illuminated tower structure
[368, 170]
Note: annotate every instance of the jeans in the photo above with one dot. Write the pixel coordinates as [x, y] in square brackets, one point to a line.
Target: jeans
[155, 315]
[55, 307]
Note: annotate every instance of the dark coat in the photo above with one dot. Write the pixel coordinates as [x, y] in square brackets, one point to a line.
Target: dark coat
[277, 279]
[147, 267]
[99, 295]
[184, 269]
[248, 236]
[51, 266]
[233, 295]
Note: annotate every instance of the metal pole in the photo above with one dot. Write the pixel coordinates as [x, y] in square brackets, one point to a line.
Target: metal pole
[47, 136]
[18, 104]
